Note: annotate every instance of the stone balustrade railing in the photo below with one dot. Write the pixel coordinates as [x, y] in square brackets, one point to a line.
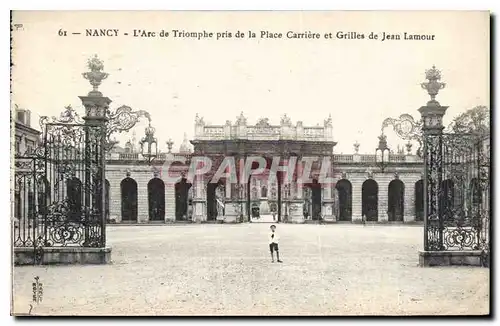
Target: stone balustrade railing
[339, 158]
[370, 158]
[263, 130]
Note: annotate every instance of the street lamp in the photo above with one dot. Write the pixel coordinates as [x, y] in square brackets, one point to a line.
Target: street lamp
[382, 153]
[152, 145]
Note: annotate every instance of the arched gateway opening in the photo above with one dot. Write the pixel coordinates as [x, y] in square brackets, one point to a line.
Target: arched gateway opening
[128, 188]
[215, 200]
[396, 200]
[156, 199]
[315, 199]
[369, 199]
[182, 200]
[344, 188]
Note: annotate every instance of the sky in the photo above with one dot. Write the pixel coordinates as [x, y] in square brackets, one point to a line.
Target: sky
[358, 82]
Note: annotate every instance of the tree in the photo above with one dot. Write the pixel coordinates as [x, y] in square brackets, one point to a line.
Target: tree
[475, 120]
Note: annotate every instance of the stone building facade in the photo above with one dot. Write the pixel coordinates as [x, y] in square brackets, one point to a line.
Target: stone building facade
[26, 139]
[139, 192]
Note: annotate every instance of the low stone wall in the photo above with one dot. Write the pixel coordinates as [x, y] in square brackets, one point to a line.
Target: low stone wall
[449, 258]
[63, 255]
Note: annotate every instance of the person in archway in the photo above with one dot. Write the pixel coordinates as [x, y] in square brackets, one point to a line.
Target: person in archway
[273, 244]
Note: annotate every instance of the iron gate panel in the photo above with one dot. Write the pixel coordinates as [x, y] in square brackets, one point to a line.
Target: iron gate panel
[75, 166]
[59, 195]
[458, 192]
[28, 178]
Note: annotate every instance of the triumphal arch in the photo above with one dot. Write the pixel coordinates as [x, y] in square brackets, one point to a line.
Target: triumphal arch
[256, 168]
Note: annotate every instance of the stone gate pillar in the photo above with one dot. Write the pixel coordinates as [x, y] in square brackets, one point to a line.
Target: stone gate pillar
[235, 204]
[294, 198]
[96, 119]
[199, 199]
[432, 119]
[327, 199]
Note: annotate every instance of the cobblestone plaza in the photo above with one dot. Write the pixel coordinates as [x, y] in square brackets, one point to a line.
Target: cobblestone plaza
[328, 270]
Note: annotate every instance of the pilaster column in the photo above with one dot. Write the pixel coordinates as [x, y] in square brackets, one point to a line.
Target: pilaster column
[227, 186]
[115, 202]
[234, 205]
[169, 202]
[383, 180]
[142, 197]
[357, 198]
[409, 202]
[327, 200]
[199, 199]
[296, 201]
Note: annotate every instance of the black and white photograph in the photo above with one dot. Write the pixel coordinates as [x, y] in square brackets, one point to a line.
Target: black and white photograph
[250, 163]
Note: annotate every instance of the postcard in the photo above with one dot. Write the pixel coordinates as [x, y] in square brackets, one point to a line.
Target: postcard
[250, 163]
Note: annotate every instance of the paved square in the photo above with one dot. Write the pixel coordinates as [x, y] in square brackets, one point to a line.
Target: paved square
[226, 269]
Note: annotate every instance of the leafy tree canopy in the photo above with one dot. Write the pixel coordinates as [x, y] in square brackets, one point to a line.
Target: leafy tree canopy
[475, 120]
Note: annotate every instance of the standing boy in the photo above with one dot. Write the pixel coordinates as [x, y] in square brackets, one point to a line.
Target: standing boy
[273, 243]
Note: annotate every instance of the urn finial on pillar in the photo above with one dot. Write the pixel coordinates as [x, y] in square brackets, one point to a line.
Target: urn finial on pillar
[433, 86]
[96, 106]
[433, 112]
[95, 76]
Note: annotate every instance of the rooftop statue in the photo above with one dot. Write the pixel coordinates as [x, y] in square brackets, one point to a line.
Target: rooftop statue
[286, 121]
[328, 122]
[263, 123]
[241, 120]
[199, 121]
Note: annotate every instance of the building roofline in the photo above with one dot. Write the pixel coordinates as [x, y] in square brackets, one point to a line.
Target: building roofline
[27, 128]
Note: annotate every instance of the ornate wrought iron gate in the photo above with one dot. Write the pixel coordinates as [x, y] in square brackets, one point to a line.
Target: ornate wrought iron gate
[458, 192]
[59, 193]
[29, 190]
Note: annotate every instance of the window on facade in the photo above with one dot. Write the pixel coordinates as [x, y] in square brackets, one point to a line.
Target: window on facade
[21, 116]
[264, 192]
[273, 193]
[254, 193]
